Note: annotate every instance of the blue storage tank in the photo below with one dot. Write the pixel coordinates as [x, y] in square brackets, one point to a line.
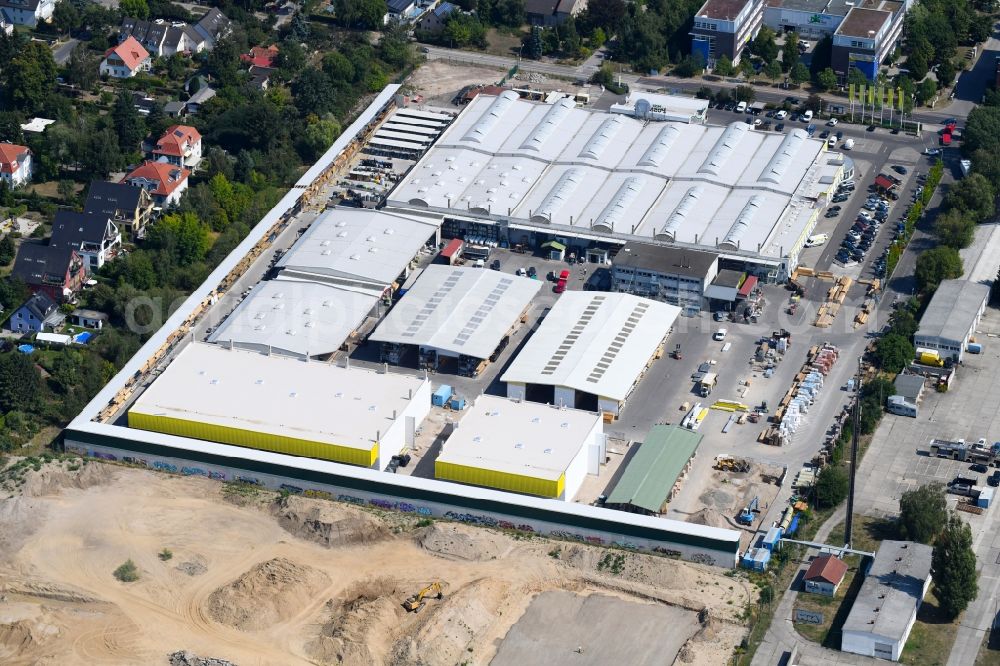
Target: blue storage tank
[441, 395]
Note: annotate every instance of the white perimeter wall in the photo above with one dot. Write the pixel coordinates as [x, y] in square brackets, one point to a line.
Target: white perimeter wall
[577, 470]
[394, 439]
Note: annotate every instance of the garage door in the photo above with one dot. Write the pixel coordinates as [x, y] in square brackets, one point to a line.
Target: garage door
[883, 650]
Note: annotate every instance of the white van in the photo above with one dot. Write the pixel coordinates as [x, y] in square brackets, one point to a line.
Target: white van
[848, 144]
[817, 240]
[741, 107]
[807, 116]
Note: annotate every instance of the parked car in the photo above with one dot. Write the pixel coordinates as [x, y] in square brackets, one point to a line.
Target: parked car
[720, 334]
[781, 114]
[901, 170]
[779, 127]
[994, 479]
[979, 467]
[807, 116]
[832, 122]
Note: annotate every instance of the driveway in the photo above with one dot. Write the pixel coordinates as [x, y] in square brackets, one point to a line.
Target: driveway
[61, 51]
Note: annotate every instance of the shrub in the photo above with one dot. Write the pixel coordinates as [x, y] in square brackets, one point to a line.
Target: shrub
[127, 572]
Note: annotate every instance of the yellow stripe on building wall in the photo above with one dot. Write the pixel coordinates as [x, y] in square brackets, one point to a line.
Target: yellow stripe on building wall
[254, 440]
[518, 483]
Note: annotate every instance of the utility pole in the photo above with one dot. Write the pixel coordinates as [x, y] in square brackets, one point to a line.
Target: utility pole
[855, 435]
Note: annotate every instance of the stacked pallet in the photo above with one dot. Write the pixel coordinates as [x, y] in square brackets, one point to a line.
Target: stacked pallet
[801, 395]
[835, 297]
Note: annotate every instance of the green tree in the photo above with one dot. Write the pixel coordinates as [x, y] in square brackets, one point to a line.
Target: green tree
[917, 65]
[934, 265]
[129, 126]
[831, 486]
[827, 79]
[7, 250]
[923, 513]
[29, 77]
[20, 383]
[954, 567]
[314, 92]
[903, 322]
[318, 137]
[183, 236]
[955, 228]
[747, 70]
[689, 66]
[926, 91]
[974, 195]
[65, 17]
[533, 46]
[772, 70]
[982, 131]
[763, 45]
[799, 73]
[724, 66]
[361, 14]
[291, 59]
[946, 72]
[745, 94]
[790, 51]
[857, 77]
[893, 352]
[134, 8]
[82, 68]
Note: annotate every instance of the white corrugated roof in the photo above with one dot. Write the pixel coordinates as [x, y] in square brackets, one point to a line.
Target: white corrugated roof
[461, 310]
[519, 437]
[295, 318]
[357, 245]
[278, 395]
[507, 156]
[594, 342]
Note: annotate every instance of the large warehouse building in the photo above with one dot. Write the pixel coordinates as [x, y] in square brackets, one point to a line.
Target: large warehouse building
[359, 249]
[317, 410]
[590, 351]
[552, 171]
[523, 447]
[299, 319]
[951, 317]
[459, 314]
[654, 473]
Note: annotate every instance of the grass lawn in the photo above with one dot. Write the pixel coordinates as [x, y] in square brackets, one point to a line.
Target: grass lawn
[505, 43]
[932, 637]
[868, 533]
[834, 609]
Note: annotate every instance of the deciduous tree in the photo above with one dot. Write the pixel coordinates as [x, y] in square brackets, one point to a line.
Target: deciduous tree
[923, 513]
[934, 265]
[954, 566]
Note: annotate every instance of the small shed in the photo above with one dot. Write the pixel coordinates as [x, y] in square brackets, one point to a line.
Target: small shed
[441, 395]
[556, 250]
[824, 575]
[985, 498]
[772, 538]
[88, 318]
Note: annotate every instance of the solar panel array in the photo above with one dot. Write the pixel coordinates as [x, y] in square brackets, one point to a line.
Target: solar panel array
[573, 335]
[618, 343]
[482, 311]
[426, 312]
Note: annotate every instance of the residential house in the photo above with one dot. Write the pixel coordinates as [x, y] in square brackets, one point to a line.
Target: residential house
[164, 182]
[261, 56]
[824, 575]
[433, 21]
[6, 27]
[56, 270]
[180, 145]
[88, 318]
[196, 100]
[399, 11]
[547, 13]
[38, 314]
[15, 164]
[143, 103]
[212, 27]
[130, 208]
[162, 38]
[125, 60]
[174, 109]
[94, 237]
[260, 78]
[27, 12]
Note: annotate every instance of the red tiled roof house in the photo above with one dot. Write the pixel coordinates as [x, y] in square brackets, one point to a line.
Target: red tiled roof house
[180, 146]
[125, 60]
[824, 575]
[164, 182]
[15, 164]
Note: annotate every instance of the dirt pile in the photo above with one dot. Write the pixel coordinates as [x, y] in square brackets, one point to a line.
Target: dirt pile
[464, 542]
[18, 637]
[709, 517]
[455, 624]
[327, 523]
[268, 593]
[361, 624]
[194, 567]
[51, 479]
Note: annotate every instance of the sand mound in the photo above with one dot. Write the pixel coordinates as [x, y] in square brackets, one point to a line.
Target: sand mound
[360, 624]
[17, 637]
[194, 567]
[709, 517]
[185, 658]
[54, 477]
[455, 624]
[327, 523]
[464, 542]
[271, 592]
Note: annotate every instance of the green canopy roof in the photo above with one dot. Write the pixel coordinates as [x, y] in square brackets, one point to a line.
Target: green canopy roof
[653, 470]
[555, 245]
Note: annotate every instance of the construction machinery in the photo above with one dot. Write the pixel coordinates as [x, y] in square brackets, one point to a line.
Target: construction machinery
[749, 512]
[729, 464]
[419, 600]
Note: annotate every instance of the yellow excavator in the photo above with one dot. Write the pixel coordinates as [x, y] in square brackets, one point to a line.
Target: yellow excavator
[418, 600]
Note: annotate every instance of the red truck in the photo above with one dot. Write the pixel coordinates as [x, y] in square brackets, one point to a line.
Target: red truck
[561, 284]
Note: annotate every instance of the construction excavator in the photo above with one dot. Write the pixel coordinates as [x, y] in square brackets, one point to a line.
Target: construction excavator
[419, 600]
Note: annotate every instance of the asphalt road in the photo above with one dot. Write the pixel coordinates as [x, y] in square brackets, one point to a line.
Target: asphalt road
[62, 51]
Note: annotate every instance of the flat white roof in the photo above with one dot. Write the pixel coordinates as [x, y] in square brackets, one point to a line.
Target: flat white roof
[658, 103]
[278, 395]
[295, 318]
[519, 437]
[425, 115]
[403, 136]
[594, 342]
[460, 310]
[562, 165]
[410, 129]
[353, 244]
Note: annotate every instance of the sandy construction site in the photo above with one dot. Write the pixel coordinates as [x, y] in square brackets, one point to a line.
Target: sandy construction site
[254, 578]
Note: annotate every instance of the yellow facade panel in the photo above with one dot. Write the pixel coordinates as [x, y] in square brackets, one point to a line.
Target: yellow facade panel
[518, 483]
[254, 440]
